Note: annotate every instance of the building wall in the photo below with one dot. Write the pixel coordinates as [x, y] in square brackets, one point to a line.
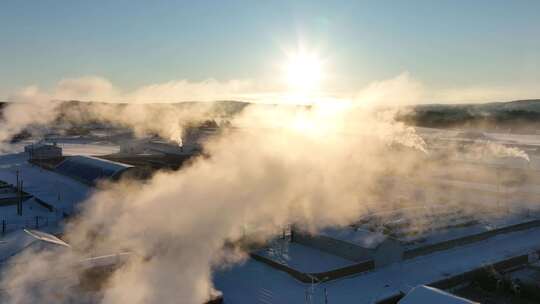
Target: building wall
[43, 152]
[388, 252]
[131, 147]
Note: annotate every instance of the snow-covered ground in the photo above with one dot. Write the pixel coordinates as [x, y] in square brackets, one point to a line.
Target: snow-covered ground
[526, 142]
[33, 216]
[57, 190]
[255, 282]
[60, 191]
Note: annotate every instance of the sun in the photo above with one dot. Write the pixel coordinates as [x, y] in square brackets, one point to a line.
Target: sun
[303, 71]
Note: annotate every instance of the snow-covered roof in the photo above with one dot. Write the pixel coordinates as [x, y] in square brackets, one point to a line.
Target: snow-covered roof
[90, 169]
[302, 258]
[16, 242]
[362, 237]
[428, 295]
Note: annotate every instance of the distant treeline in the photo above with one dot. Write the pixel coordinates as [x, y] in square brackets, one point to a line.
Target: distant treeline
[518, 116]
[515, 116]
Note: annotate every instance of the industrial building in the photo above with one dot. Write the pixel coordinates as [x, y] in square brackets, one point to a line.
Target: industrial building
[355, 244]
[10, 195]
[151, 146]
[190, 143]
[43, 151]
[370, 245]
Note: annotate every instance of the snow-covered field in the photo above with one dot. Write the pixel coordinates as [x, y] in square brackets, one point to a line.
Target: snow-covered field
[33, 216]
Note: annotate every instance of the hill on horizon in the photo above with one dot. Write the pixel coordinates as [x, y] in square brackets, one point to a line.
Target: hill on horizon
[517, 115]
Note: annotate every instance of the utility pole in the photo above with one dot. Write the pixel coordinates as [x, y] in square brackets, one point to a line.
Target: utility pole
[325, 296]
[19, 204]
[497, 172]
[18, 197]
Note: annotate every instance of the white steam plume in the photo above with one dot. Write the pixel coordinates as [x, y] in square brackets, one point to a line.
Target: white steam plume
[313, 167]
[310, 172]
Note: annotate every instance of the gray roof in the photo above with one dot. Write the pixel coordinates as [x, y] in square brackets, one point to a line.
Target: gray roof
[89, 170]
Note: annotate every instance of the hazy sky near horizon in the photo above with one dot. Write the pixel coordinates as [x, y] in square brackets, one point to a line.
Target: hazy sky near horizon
[484, 46]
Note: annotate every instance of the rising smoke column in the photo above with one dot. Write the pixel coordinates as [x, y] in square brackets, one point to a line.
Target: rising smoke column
[165, 120]
[18, 116]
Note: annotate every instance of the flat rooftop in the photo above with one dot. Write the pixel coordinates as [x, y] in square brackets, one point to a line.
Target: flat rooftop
[484, 225]
[254, 282]
[303, 258]
[358, 236]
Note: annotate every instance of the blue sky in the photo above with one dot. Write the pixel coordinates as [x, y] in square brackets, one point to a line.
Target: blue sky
[442, 44]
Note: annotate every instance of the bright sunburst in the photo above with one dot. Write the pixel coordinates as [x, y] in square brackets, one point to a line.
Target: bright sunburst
[303, 71]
